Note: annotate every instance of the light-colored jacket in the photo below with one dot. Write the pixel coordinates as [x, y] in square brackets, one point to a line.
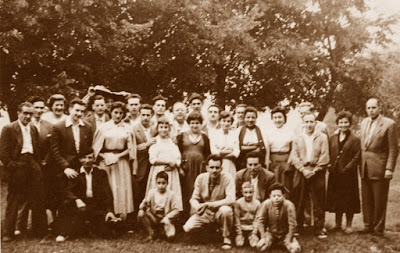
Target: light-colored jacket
[381, 152]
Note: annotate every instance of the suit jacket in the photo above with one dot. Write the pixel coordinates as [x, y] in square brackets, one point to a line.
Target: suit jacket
[44, 140]
[11, 141]
[223, 193]
[102, 194]
[63, 147]
[90, 118]
[347, 160]
[142, 154]
[265, 180]
[381, 152]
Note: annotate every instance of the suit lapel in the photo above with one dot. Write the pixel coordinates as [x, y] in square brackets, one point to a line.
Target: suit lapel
[70, 136]
[261, 184]
[377, 129]
[18, 135]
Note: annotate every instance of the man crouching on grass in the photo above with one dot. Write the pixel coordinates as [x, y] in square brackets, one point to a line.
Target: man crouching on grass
[212, 200]
[87, 200]
[277, 221]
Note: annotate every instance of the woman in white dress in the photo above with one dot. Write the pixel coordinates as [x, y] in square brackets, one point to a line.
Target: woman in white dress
[115, 146]
[223, 142]
[164, 155]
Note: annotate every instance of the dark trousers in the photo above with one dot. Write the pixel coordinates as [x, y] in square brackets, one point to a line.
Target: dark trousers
[139, 192]
[374, 202]
[72, 221]
[25, 189]
[310, 194]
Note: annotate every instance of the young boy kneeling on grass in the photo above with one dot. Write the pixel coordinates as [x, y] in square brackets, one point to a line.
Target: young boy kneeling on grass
[246, 209]
[159, 207]
[277, 221]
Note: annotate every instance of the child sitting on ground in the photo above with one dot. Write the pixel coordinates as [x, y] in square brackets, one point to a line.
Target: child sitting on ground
[246, 209]
[277, 221]
[160, 206]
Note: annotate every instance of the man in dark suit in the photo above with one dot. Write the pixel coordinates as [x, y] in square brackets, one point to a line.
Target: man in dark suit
[379, 150]
[19, 151]
[44, 129]
[69, 138]
[98, 116]
[259, 177]
[87, 199]
[144, 135]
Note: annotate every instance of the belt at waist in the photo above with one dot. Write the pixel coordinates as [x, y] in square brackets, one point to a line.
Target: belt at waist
[280, 153]
[112, 150]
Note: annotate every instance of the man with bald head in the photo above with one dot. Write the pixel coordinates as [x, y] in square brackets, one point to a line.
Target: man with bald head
[378, 159]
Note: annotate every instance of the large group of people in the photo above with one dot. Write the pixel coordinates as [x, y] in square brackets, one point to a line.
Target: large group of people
[140, 166]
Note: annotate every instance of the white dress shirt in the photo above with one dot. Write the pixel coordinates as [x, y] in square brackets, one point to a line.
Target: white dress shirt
[309, 140]
[254, 182]
[89, 188]
[27, 146]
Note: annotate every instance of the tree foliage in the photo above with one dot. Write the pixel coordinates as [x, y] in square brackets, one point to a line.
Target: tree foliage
[255, 51]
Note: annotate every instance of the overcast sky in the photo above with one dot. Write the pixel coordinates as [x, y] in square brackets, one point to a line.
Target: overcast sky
[388, 7]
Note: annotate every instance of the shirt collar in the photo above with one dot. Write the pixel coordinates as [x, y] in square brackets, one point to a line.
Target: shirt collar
[215, 181]
[84, 171]
[376, 119]
[22, 126]
[36, 122]
[102, 118]
[68, 122]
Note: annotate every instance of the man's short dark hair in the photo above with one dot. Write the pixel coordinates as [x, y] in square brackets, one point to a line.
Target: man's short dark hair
[277, 186]
[35, 99]
[159, 97]
[146, 107]
[194, 96]
[85, 152]
[26, 104]
[253, 155]
[213, 157]
[76, 101]
[162, 174]
[133, 96]
[99, 97]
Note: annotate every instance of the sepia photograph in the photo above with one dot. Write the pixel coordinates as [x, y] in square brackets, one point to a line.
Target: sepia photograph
[199, 126]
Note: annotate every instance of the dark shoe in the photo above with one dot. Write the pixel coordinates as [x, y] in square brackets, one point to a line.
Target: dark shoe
[7, 239]
[366, 231]
[149, 238]
[378, 233]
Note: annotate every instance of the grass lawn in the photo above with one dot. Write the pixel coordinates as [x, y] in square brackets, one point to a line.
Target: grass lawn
[337, 242]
